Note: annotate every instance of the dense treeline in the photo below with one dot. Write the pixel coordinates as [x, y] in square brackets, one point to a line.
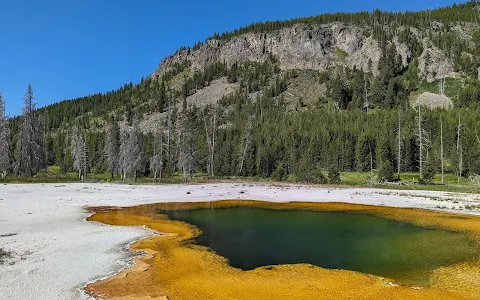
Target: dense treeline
[465, 12]
[376, 20]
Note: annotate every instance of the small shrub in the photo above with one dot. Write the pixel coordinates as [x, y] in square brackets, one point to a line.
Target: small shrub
[292, 178]
[371, 180]
[341, 53]
[334, 175]
[64, 168]
[323, 77]
[4, 255]
[99, 169]
[475, 178]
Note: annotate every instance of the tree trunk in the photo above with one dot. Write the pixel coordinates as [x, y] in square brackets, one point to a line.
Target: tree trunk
[399, 163]
[441, 147]
[371, 159]
[420, 141]
[459, 151]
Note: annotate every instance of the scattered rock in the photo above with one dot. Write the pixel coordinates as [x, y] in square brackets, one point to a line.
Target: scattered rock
[433, 101]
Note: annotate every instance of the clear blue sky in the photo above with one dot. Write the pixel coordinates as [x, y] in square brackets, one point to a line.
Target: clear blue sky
[81, 47]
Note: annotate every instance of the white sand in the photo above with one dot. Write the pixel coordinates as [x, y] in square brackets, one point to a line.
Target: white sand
[57, 252]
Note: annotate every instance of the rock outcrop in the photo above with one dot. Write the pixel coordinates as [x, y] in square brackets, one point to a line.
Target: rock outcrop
[301, 46]
[324, 46]
[433, 64]
[433, 101]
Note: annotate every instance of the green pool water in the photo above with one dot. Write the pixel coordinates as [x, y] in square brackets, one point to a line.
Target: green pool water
[253, 237]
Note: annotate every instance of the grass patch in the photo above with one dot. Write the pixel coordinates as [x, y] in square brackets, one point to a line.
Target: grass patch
[411, 182]
[341, 53]
[451, 183]
[453, 87]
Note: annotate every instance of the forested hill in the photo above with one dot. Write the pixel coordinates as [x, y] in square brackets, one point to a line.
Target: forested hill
[289, 99]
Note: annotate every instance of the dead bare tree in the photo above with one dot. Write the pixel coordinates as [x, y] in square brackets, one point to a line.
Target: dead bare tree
[169, 127]
[443, 68]
[210, 131]
[123, 153]
[4, 140]
[458, 133]
[171, 143]
[459, 150]
[420, 139]
[156, 161]
[186, 148]
[131, 151]
[246, 141]
[442, 86]
[136, 148]
[365, 100]
[399, 158]
[423, 141]
[31, 152]
[44, 137]
[441, 148]
[112, 147]
[371, 157]
[79, 150]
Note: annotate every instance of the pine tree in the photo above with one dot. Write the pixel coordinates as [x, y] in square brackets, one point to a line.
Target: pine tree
[338, 92]
[31, 152]
[385, 173]
[333, 175]
[377, 92]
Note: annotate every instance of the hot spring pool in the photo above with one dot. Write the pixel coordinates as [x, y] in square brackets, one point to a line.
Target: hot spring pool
[252, 237]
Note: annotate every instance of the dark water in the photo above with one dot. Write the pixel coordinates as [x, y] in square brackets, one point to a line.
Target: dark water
[254, 237]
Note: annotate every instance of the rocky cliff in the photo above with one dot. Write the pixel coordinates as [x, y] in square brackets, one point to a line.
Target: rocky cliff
[316, 47]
